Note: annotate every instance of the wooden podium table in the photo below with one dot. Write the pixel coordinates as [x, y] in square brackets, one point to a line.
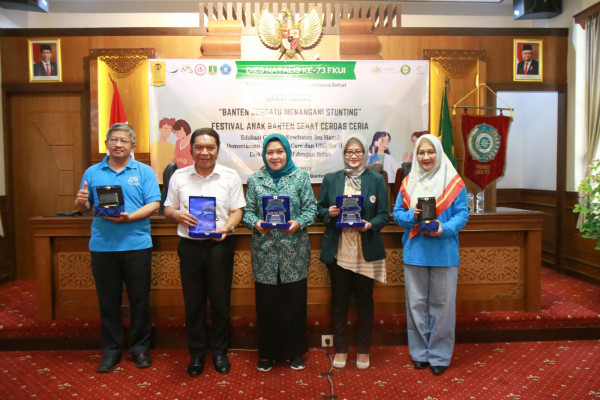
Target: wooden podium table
[500, 267]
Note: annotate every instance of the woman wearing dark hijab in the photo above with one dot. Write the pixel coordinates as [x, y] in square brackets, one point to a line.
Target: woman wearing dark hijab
[280, 257]
[355, 257]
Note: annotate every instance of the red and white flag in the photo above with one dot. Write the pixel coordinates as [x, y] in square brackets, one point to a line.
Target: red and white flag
[485, 141]
[117, 110]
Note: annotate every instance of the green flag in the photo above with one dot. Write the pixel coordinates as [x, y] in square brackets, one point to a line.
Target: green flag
[445, 133]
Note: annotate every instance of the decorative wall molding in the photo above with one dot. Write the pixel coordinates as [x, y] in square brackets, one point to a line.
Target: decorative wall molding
[479, 265]
[74, 271]
[454, 61]
[489, 265]
[386, 16]
[123, 61]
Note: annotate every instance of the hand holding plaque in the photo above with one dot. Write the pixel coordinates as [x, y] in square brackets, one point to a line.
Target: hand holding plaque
[110, 201]
[428, 215]
[350, 215]
[204, 209]
[276, 210]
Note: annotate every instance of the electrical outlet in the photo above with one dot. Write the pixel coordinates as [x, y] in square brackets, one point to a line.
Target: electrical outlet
[326, 340]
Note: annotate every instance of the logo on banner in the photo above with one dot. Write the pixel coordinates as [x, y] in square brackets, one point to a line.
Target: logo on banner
[212, 69]
[405, 69]
[172, 69]
[187, 69]
[225, 69]
[157, 70]
[200, 69]
[483, 142]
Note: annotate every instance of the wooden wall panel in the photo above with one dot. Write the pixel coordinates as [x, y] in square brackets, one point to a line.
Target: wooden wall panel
[498, 52]
[75, 52]
[224, 39]
[356, 25]
[225, 27]
[43, 183]
[359, 43]
[7, 267]
[185, 43]
[536, 200]
[580, 259]
[497, 44]
[357, 40]
[222, 46]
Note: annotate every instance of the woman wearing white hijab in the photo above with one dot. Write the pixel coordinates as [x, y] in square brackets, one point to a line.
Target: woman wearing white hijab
[431, 255]
[355, 257]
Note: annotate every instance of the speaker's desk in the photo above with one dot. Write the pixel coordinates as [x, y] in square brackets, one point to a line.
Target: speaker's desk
[500, 267]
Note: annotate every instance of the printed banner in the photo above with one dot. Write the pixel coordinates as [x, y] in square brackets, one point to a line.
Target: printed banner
[485, 144]
[315, 104]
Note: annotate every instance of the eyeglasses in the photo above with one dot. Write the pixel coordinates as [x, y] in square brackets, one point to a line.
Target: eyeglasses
[115, 140]
[430, 154]
[356, 153]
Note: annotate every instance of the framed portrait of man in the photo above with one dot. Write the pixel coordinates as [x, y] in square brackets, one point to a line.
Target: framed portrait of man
[44, 60]
[527, 60]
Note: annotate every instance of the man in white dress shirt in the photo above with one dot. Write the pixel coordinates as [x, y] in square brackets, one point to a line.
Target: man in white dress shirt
[206, 265]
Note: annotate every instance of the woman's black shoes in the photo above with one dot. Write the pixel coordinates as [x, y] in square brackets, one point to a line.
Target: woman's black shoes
[420, 364]
[438, 369]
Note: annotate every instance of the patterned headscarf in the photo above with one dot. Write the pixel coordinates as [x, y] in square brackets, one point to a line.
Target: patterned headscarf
[289, 166]
[353, 174]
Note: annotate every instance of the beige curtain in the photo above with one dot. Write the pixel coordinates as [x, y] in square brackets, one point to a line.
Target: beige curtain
[592, 29]
[592, 74]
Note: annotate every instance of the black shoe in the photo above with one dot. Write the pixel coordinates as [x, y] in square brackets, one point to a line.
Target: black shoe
[264, 365]
[420, 364]
[221, 363]
[142, 360]
[107, 364]
[196, 366]
[297, 364]
[438, 369]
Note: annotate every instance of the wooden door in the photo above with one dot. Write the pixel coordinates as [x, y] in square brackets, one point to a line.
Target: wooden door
[47, 161]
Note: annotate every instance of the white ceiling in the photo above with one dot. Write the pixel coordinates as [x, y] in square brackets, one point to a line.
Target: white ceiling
[421, 7]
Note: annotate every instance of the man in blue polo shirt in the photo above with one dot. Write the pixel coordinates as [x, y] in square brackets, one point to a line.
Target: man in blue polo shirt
[121, 246]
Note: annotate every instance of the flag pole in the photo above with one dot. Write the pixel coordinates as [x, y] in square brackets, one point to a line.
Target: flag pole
[445, 133]
[508, 108]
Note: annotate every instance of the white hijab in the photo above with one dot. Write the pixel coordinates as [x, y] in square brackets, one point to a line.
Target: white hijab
[432, 183]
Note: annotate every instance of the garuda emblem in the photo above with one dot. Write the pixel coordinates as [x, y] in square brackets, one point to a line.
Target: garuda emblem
[289, 37]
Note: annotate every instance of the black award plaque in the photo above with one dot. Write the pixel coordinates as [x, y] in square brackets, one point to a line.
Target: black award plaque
[110, 201]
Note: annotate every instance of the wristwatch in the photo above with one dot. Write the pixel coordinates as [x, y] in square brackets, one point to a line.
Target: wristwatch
[232, 227]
